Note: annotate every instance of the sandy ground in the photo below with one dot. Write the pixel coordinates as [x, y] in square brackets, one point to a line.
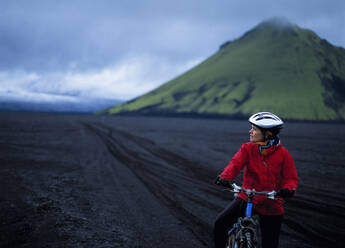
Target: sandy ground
[96, 181]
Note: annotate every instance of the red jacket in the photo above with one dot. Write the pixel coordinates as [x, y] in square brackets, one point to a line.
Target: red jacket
[274, 171]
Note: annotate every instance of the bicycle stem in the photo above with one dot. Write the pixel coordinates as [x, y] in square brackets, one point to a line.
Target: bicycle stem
[249, 207]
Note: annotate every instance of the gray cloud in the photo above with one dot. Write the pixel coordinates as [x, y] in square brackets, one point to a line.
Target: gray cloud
[50, 38]
[54, 35]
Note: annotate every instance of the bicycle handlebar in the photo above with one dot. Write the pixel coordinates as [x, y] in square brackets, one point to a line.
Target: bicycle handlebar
[251, 192]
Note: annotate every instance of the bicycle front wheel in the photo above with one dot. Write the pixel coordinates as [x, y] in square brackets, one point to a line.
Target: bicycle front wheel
[231, 242]
[249, 241]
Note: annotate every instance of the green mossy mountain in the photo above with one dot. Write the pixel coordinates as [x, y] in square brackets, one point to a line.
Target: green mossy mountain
[277, 66]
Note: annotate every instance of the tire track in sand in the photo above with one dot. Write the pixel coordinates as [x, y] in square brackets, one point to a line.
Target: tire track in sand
[175, 181]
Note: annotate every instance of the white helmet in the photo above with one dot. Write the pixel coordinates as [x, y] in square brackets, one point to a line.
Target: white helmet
[266, 120]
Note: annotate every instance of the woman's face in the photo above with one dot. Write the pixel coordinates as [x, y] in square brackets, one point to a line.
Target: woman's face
[255, 134]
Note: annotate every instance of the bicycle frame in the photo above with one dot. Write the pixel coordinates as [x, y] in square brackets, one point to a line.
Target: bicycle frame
[247, 224]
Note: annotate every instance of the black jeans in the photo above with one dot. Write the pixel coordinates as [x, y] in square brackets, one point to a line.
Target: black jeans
[270, 225]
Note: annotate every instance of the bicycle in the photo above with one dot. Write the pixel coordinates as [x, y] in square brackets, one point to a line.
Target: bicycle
[244, 233]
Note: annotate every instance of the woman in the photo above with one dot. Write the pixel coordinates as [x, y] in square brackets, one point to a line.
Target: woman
[267, 166]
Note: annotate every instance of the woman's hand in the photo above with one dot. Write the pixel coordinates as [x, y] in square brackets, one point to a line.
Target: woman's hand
[285, 193]
[222, 182]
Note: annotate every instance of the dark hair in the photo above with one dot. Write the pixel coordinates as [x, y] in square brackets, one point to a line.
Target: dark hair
[274, 130]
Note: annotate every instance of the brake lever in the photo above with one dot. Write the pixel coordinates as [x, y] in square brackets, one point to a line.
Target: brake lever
[236, 189]
[271, 195]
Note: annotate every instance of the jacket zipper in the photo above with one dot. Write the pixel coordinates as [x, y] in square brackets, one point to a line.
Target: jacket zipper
[263, 160]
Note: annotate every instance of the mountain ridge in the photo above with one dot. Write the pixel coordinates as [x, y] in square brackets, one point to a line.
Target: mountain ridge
[276, 66]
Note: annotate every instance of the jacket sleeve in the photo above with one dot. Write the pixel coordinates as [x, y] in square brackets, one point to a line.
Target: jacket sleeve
[289, 173]
[236, 164]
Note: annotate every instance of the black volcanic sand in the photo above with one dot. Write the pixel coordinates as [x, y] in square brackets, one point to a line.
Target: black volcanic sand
[96, 181]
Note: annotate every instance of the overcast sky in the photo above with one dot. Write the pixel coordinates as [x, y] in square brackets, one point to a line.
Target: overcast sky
[122, 49]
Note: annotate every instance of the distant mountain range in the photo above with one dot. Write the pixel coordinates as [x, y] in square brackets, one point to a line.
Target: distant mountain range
[277, 66]
[56, 104]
